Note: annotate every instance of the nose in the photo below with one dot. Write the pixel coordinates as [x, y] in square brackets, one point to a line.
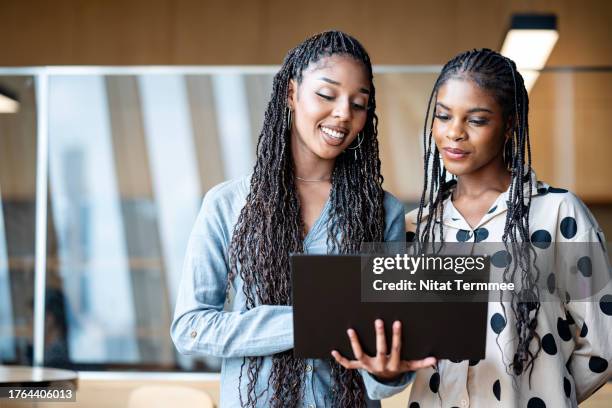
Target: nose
[455, 132]
[342, 110]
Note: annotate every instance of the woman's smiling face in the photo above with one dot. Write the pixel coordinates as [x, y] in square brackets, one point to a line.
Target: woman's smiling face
[468, 128]
[329, 106]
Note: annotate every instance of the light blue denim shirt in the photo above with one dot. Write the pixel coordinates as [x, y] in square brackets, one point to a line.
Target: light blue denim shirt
[201, 326]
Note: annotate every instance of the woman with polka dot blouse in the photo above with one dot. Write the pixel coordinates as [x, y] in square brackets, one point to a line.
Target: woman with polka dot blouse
[540, 353]
[544, 348]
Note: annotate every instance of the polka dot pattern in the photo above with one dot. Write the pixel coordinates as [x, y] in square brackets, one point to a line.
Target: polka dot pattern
[536, 402]
[584, 331]
[497, 390]
[463, 235]
[414, 405]
[434, 382]
[569, 318]
[598, 365]
[568, 227]
[567, 387]
[542, 190]
[492, 210]
[556, 190]
[480, 234]
[563, 329]
[474, 362]
[410, 236]
[585, 266]
[541, 239]
[498, 323]
[501, 259]
[549, 345]
[605, 304]
[551, 283]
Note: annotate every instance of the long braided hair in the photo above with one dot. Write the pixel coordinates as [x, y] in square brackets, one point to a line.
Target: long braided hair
[270, 226]
[498, 75]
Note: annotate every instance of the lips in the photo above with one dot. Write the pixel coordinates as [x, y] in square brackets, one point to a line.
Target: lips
[454, 153]
[333, 135]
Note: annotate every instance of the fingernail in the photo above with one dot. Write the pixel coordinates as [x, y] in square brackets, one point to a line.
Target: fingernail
[378, 323]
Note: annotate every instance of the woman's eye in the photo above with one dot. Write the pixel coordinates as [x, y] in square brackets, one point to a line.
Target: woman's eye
[359, 106]
[479, 122]
[326, 97]
[441, 117]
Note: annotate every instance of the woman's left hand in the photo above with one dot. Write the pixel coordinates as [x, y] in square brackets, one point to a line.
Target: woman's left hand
[384, 366]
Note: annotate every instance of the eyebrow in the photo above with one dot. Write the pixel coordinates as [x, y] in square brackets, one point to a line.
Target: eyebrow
[331, 81]
[473, 110]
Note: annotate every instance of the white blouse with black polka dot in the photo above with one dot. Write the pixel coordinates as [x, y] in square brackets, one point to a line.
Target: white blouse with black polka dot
[576, 336]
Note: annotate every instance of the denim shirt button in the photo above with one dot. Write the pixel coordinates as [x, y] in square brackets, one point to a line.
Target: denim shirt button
[308, 369]
[194, 334]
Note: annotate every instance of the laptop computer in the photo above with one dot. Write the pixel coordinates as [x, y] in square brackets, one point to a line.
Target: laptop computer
[327, 301]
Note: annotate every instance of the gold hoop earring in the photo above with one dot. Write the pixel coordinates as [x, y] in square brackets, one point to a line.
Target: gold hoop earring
[360, 138]
[289, 118]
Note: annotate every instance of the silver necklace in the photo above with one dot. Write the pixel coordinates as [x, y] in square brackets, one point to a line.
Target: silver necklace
[311, 180]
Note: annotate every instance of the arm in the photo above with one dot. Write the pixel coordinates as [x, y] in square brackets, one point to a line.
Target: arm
[591, 361]
[200, 325]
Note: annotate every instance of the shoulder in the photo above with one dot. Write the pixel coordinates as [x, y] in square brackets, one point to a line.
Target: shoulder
[228, 193]
[563, 210]
[392, 204]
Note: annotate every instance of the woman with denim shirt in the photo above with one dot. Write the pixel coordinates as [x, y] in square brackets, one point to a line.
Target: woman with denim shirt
[316, 188]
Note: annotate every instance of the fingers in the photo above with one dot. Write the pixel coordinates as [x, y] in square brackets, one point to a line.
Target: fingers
[355, 345]
[396, 344]
[417, 364]
[345, 362]
[381, 342]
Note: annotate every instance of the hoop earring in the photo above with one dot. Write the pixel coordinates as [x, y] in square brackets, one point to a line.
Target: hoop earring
[289, 118]
[360, 138]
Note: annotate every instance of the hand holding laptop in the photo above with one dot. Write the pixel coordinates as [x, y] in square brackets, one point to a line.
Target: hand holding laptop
[384, 365]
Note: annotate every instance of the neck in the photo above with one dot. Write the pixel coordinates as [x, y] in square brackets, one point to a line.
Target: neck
[493, 176]
[309, 166]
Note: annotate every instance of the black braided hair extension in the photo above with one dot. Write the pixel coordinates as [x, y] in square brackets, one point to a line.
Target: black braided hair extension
[270, 226]
[496, 74]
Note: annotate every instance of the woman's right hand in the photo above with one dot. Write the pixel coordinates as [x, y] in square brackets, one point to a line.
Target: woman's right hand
[384, 366]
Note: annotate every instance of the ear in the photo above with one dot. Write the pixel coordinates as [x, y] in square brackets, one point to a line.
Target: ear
[292, 94]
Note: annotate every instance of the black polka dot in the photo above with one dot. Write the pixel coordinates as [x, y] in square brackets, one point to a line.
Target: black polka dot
[501, 259]
[585, 266]
[414, 405]
[569, 318]
[542, 190]
[480, 234]
[605, 304]
[541, 239]
[549, 345]
[563, 329]
[463, 235]
[456, 361]
[556, 190]
[492, 210]
[497, 390]
[598, 364]
[455, 219]
[567, 387]
[474, 362]
[498, 323]
[551, 282]
[434, 382]
[568, 365]
[410, 236]
[536, 402]
[569, 227]
[584, 331]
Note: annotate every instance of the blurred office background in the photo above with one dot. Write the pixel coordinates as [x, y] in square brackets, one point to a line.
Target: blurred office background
[148, 104]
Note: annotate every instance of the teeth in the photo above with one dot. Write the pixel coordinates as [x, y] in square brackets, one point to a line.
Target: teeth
[332, 133]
